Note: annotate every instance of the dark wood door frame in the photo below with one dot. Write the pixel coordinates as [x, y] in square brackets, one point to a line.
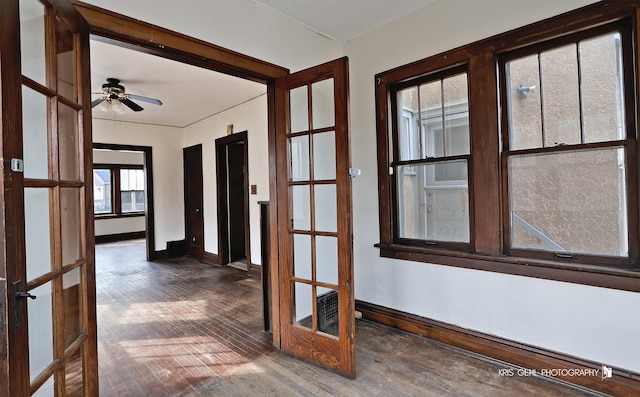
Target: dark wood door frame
[149, 215]
[198, 211]
[222, 192]
[127, 32]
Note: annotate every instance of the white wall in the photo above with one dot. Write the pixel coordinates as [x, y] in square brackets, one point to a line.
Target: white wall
[251, 117]
[168, 196]
[239, 25]
[588, 322]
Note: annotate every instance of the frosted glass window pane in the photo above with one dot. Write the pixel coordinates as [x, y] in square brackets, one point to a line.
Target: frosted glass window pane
[70, 219]
[524, 103]
[302, 256]
[570, 201]
[34, 134]
[68, 143]
[299, 152]
[324, 156]
[303, 298]
[32, 40]
[326, 208]
[327, 259]
[299, 109]
[37, 232]
[560, 96]
[602, 95]
[40, 330]
[300, 204]
[322, 104]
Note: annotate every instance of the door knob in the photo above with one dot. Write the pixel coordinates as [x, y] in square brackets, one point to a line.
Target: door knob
[25, 295]
[197, 209]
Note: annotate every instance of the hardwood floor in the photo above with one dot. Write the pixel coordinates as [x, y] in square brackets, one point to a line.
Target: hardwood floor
[181, 328]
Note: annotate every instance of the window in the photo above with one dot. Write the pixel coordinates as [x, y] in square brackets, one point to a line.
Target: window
[517, 154]
[432, 135]
[566, 146]
[118, 190]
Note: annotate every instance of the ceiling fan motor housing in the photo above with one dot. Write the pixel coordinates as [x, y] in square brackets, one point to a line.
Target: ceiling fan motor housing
[113, 87]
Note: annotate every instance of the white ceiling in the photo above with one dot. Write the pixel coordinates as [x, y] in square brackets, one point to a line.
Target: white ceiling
[188, 93]
[343, 20]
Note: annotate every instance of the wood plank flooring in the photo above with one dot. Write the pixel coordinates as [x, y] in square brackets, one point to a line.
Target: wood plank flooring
[181, 328]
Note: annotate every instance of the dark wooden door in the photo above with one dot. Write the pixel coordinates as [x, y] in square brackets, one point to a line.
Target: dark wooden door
[193, 201]
[315, 230]
[48, 343]
[237, 205]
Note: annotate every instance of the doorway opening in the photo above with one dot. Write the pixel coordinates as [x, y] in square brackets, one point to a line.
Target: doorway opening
[233, 201]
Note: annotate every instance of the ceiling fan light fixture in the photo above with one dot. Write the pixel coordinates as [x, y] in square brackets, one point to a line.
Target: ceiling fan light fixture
[117, 106]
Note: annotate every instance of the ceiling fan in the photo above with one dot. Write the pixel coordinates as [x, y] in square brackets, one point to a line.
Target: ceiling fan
[115, 97]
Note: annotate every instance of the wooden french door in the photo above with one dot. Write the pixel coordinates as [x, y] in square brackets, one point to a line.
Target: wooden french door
[193, 201]
[314, 217]
[46, 198]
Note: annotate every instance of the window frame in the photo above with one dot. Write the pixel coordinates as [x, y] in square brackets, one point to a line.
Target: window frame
[396, 161]
[629, 143]
[487, 251]
[116, 192]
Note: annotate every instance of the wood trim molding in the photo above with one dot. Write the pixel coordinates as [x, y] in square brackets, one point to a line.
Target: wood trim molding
[125, 31]
[623, 382]
[255, 270]
[109, 238]
[212, 259]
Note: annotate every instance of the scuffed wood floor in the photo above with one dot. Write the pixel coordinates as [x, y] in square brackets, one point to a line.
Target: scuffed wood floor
[181, 328]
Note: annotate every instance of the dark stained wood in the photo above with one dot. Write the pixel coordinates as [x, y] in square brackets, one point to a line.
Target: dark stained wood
[233, 213]
[110, 238]
[337, 354]
[184, 328]
[495, 348]
[265, 266]
[491, 249]
[163, 42]
[148, 172]
[193, 201]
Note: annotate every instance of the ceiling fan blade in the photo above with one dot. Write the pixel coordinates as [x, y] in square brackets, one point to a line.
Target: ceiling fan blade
[145, 99]
[98, 102]
[131, 105]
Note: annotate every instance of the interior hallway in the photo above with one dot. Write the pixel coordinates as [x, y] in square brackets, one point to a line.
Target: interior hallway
[183, 328]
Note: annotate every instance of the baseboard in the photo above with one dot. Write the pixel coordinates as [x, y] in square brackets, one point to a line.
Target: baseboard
[111, 238]
[255, 270]
[622, 383]
[212, 259]
[158, 255]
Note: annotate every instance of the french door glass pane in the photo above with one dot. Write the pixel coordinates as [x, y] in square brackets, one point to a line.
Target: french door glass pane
[37, 232]
[327, 259]
[298, 109]
[322, 102]
[71, 226]
[32, 40]
[299, 157]
[46, 390]
[300, 204]
[326, 208]
[68, 143]
[72, 305]
[35, 136]
[74, 377]
[302, 256]
[66, 61]
[571, 201]
[303, 304]
[40, 330]
[324, 156]
[327, 304]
